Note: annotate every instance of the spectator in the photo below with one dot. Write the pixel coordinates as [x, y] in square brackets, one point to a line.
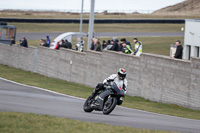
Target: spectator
[92, 44]
[138, 47]
[58, 45]
[104, 44]
[48, 41]
[80, 44]
[126, 49]
[41, 42]
[12, 42]
[82, 41]
[62, 43]
[108, 42]
[24, 42]
[179, 50]
[123, 40]
[109, 45]
[68, 44]
[115, 46]
[97, 45]
[127, 43]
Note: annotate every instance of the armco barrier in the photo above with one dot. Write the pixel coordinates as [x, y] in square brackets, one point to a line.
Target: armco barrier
[100, 21]
[154, 77]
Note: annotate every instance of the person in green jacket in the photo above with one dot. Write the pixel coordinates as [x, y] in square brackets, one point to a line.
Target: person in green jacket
[126, 49]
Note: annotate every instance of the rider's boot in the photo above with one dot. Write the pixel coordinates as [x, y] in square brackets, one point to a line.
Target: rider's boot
[97, 89]
[96, 105]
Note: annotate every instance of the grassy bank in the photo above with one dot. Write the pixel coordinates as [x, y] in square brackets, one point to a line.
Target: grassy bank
[155, 45]
[84, 91]
[53, 14]
[31, 123]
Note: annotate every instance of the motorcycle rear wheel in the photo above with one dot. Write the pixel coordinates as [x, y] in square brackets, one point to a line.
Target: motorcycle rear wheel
[109, 105]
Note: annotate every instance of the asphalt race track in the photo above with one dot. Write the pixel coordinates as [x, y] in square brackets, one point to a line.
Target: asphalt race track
[21, 98]
[38, 36]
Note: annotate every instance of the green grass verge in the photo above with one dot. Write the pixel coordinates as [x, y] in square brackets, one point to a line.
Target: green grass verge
[55, 27]
[78, 90]
[155, 45]
[32, 123]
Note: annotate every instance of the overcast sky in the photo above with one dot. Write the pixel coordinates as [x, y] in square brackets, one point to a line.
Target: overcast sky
[100, 5]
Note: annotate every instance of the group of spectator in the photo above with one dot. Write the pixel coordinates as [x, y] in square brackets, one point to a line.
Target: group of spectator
[64, 44]
[23, 42]
[119, 46]
[45, 43]
[115, 45]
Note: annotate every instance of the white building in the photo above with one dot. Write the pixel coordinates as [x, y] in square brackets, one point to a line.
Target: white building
[191, 39]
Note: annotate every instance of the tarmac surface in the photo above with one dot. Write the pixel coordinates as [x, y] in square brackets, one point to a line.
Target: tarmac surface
[38, 36]
[15, 97]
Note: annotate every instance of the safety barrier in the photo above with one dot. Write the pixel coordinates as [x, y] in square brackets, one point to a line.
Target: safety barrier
[101, 21]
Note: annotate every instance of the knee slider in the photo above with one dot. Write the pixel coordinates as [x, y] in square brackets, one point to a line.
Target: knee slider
[120, 101]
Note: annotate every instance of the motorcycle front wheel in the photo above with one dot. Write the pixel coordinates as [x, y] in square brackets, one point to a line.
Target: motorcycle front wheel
[87, 105]
[109, 105]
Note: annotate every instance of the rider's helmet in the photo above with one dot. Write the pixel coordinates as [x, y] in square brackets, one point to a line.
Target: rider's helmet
[121, 73]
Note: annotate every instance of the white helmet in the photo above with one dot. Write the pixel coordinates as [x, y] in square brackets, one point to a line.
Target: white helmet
[122, 73]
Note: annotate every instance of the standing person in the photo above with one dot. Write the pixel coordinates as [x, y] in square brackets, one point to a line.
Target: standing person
[123, 40]
[108, 42]
[58, 45]
[92, 44]
[62, 43]
[42, 43]
[127, 43]
[126, 49]
[115, 46]
[104, 45]
[48, 41]
[68, 44]
[24, 42]
[97, 45]
[179, 50]
[12, 42]
[138, 47]
[120, 46]
[80, 44]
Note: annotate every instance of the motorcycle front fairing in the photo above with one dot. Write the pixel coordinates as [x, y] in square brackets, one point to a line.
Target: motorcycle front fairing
[118, 90]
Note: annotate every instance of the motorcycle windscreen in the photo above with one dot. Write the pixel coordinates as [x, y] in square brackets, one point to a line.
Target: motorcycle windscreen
[118, 89]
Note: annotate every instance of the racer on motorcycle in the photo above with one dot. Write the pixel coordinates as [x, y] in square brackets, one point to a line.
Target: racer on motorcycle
[119, 78]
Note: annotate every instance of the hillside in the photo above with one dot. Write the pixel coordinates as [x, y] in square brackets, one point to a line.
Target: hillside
[187, 7]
